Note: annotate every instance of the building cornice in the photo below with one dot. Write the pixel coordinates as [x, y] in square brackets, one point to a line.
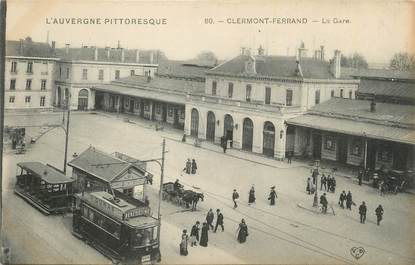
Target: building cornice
[106, 63]
[31, 58]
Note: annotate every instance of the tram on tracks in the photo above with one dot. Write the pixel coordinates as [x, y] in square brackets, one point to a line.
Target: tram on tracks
[45, 187]
[119, 226]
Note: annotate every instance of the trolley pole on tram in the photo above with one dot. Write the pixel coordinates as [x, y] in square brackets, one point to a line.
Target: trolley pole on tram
[161, 189]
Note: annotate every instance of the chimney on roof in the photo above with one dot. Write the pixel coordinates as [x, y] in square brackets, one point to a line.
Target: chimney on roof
[122, 55]
[298, 70]
[151, 57]
[302, 51]
[322, 52]
[108, 50]
[335, 64]
[96, 53]
[137, 56]
[373, 106]
[53, 44]
[21, 47]
[67, 48]
[261, 50]
[243, 50]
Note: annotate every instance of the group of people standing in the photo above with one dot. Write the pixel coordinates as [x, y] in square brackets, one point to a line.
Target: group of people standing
[251, 197]
[329, 183]
[191, 166]
[203, 240]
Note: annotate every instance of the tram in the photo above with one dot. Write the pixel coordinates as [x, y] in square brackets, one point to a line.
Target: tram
[119, 226]
[45, 187]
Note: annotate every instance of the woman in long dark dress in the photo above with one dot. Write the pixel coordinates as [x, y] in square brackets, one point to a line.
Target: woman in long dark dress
[183, 243]
[204, 235]
[242, 231]
[251, 198]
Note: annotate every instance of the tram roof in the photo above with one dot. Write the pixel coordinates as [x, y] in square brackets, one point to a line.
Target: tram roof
[142, 221]
[46, 172]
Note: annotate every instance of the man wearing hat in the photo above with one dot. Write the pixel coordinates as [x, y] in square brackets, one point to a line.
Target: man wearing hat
[235, 197]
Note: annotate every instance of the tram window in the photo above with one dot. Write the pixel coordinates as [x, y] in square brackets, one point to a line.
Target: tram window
[144, 237]
[155, 233]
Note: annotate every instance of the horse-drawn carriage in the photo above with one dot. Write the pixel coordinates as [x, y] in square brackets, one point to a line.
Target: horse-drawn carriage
[175, 192]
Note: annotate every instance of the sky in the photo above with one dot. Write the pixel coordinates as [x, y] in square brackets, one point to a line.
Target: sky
[376, 29]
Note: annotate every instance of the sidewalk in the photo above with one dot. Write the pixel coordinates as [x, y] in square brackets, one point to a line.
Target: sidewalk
[174, 134]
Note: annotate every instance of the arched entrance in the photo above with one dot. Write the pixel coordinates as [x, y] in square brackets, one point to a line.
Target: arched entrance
[247, 134]
[269, 139]
[83, 99]
[228, 127]
[59, 97]
[194, 123]
[210, 128]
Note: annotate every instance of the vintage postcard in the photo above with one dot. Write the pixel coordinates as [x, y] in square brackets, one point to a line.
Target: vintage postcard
[208, 132]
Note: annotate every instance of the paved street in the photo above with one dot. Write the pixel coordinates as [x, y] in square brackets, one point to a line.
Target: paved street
[284, 233]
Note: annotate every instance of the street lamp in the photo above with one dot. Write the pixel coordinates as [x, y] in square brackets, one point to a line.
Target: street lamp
[68, 107]
[315, 172]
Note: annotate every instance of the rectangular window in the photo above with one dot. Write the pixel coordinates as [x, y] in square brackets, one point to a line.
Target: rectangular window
[11, 99]
[42, 101]
[117, 74]
[84, 74]
[28, 84]
[289, 97]
[43, 84]
[67, 73]
[330, 143]
[214, 84]
[27, 99]
[60, 71]
[29, 69]
[332, 94]
[100, 74]
[356, 147]
[12, 84]
[317, 97]
[136, 104]
[14, 67]
[267, 95]
[248, 93]
[341, 93]
[230, 90]
[158, 108]
[132, 72]
[350, 94]
[384, 155]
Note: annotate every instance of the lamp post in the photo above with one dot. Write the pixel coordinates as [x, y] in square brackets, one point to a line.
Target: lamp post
[315, 171]
[68, 107]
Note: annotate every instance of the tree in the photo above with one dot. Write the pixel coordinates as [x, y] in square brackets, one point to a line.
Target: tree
[355, 61]
[402, 61]
[207, 56]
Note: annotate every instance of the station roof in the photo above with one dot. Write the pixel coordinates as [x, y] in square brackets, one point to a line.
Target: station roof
[390, 122]
[100, 164]
[183, 69]
[387, 88]
[46, 172]
[29, 48]
[377, 73]
[276, 66]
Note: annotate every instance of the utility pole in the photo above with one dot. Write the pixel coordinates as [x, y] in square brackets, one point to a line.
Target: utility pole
[67, 136]
[161, 190]
[316, 164]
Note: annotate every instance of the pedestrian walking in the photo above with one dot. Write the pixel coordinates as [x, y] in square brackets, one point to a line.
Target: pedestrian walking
[223, 143]
[289, 157]
[349, 200]
[379, 214]
[362, 212]
[194, 234]
[204, 235]
[272, 196]
[309, 187]
[209, 219]
[183, 243]
[324, 203]
[188, 166]
[323, 181]
[314, 175]
[194, 166]
[251, 198]
[333, 184]
[235, 198]
[242, 231]
[342, 198]
[360, 177]
[219, 220]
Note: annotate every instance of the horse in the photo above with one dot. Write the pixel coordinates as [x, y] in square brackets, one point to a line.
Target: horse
[191, 197]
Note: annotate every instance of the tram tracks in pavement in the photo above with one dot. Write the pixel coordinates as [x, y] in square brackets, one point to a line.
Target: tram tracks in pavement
[290, 221]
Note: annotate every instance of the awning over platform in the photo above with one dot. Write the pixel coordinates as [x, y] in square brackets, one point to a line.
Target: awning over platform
[356, 128]
[45, 172]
